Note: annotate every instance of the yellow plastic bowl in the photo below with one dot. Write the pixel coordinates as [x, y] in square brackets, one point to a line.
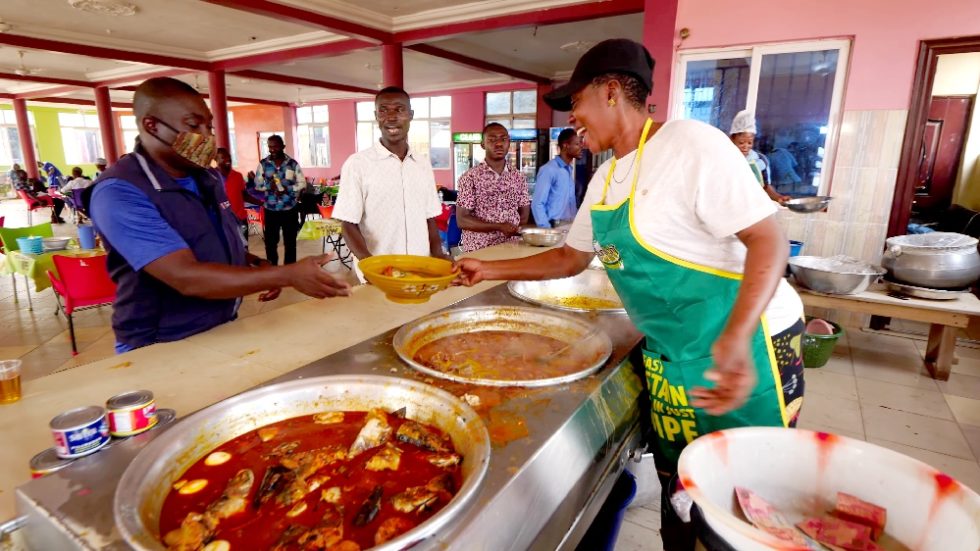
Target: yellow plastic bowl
[411, 289]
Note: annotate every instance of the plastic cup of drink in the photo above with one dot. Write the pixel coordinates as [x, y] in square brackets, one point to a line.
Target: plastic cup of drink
[9, 381]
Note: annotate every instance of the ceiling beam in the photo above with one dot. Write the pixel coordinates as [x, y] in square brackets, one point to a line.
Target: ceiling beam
[292, 54]
[77, 101]
[553, 16]
[294, 14]
[46, 80]
[300, 81]
[101, 52]
[54, 91]
[478, 63]
[256, 101]
[114, 82]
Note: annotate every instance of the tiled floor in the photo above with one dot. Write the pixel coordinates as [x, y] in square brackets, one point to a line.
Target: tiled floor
[40, 338]
[874, 387]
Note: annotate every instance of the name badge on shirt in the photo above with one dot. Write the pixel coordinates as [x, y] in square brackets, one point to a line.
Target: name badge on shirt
[225, 205]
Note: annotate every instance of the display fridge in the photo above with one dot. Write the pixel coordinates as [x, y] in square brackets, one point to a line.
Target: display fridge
[467, 153]
[528, 151]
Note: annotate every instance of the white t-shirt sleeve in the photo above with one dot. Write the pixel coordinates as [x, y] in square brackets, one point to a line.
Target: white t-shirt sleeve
[350, 197]
[728, 199]
[580, 236]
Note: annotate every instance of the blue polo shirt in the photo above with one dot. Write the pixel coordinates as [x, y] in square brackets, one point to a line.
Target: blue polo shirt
[554, 193]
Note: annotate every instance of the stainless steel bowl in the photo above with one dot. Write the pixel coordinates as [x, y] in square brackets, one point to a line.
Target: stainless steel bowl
[808, 204]
[147, 481]
[562, 293]
[543, 237]
[55, 243]
[570, 329]
[824, 276]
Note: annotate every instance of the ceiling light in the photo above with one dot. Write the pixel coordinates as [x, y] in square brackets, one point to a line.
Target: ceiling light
[578, 46]
[104, 7]
[4, 26]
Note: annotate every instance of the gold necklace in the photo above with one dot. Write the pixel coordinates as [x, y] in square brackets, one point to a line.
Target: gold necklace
[625, 176]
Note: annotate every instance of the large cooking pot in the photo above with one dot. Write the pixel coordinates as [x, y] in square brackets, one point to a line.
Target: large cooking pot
[940, 260]
[147, 480]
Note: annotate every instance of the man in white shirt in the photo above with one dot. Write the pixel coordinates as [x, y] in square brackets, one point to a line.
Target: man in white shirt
[387, 199]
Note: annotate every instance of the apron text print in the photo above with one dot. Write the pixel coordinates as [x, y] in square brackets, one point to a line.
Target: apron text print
[671, 415]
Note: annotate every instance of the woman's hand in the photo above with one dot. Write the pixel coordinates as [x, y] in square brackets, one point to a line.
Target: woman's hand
[733, 374]
[470, 271]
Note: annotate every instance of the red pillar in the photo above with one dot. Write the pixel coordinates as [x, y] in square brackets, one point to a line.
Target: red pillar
[392, 65]
[107, 124]
[26, 140]
[659, 34]
[219, 107]
[545, 114]
[290, 139]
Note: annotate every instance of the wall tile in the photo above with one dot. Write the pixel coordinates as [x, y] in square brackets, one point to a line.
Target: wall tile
[894, 136]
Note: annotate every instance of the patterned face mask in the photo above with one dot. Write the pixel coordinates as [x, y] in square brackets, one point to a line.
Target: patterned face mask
[192, 146]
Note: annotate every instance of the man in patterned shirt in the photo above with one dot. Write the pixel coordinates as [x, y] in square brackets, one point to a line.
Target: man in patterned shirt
[281, 180]
[493, 198]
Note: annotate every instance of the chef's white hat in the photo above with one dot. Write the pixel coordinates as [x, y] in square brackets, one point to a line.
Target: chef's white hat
[744, 121]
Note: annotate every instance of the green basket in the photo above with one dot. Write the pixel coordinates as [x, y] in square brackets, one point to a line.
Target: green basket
[818, 348]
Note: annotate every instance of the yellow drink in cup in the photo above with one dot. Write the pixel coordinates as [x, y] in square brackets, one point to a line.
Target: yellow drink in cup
[9, 381]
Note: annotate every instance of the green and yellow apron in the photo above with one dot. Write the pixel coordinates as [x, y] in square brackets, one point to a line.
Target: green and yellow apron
[681, 308]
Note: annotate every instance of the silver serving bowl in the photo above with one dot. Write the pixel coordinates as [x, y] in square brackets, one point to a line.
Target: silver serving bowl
[568, 293]
[576, 332]
[55, 243]
[813, 272]
[148, 479]
[808, 204]
[543, 237]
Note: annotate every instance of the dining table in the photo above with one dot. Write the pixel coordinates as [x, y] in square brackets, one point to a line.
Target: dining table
[34, 267]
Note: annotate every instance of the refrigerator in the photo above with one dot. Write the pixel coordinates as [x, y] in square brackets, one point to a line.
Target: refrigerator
[467, 153]
[528, 151]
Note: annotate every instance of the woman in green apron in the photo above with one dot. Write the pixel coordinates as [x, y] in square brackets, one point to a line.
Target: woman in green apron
[691, 245]
[743, 133]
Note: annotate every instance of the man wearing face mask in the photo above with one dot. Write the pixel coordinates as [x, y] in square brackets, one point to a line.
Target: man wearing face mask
[387, 199]
[175, 252]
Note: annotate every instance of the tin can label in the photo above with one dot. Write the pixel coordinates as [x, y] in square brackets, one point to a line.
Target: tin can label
[132, 421]
[81, 440]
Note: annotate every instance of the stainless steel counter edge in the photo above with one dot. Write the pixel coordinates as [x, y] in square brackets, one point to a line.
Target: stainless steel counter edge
[538, 488]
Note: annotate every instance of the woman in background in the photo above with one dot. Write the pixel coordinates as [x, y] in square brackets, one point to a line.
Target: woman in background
[742, 134]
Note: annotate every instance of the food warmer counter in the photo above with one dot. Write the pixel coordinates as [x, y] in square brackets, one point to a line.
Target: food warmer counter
[556, 453]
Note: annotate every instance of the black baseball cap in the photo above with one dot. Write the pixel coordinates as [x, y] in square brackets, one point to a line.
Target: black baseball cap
[616, 55]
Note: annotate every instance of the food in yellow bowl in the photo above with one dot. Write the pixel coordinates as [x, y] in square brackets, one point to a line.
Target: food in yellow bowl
[406, 278]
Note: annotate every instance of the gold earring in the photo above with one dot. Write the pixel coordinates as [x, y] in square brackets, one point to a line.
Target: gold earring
[611, 102]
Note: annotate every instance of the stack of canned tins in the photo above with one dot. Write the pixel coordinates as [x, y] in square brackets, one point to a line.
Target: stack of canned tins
[86, 430]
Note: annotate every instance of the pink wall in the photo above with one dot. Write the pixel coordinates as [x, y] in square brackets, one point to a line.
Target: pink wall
[885, 32]
[249, 121]
[659, 36]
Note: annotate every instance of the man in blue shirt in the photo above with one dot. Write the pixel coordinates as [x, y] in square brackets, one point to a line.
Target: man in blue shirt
[174, 249]
[554, 191]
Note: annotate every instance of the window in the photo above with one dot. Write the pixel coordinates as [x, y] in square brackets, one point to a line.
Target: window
[795, 91]
[513, 109]
[129, 131]
[314, 135]
[10, 151]
[428, 134]
[80, 137]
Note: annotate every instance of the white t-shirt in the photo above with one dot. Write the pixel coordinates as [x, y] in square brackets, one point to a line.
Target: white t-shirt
[695, 192]
[391, 200]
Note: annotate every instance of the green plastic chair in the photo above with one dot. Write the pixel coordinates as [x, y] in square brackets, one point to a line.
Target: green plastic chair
[8, 242]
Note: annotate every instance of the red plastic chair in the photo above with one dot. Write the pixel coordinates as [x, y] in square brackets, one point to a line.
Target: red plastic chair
[34, 203]
[256, 217]
[83, 284]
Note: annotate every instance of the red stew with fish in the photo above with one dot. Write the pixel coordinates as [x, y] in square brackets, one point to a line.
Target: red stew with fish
[338, 481]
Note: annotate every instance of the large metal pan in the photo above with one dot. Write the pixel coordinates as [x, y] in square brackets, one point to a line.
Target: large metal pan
[570, 329]
[145, 484]
[570, 293]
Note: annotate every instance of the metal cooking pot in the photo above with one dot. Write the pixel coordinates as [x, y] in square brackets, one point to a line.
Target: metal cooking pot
[147, 480]
[939, 260]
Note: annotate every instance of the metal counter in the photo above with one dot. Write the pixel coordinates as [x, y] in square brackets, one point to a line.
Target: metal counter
[542, 490]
